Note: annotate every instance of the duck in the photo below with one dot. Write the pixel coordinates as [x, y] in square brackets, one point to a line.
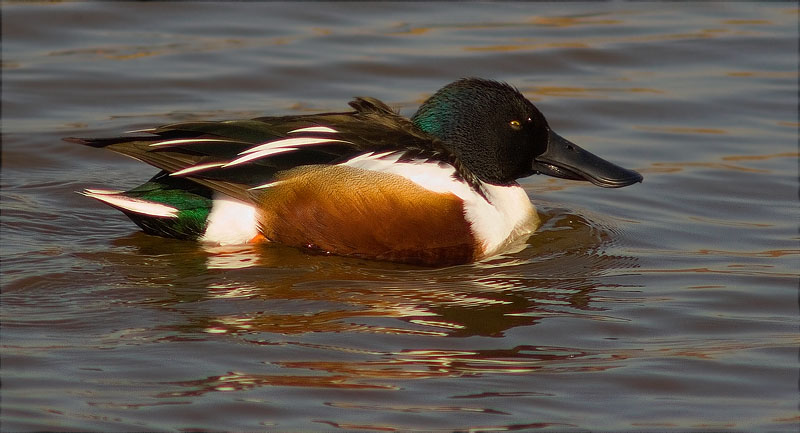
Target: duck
[439, 188]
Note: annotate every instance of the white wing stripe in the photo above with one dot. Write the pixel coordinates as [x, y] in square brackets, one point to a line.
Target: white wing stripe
[268, 185]
[354, 162]
[194, 140]
[100, 191]
[195, 168]
[314, 129]
[261, 151]
[257, 155]
[287, 142]
[134, 204]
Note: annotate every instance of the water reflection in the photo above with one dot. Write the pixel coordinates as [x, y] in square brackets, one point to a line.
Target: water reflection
[273, 301]
[271, 289]
[236, 381]
[231, 256]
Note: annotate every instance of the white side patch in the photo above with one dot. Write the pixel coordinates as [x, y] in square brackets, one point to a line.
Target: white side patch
[431, 176]
[314, 129]
[505, 218]
[230, 222]
[136, 205]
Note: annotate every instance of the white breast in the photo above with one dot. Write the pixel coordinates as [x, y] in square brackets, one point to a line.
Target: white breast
[507, 216]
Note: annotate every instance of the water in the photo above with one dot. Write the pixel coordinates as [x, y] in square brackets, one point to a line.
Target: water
[666, 306]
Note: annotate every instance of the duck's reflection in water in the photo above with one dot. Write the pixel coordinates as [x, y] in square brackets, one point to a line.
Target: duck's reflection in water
[269, 295]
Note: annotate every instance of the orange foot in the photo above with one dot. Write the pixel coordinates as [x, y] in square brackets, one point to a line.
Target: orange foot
[257, 239]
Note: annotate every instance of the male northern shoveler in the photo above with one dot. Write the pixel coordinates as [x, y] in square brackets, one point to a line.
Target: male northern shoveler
[437, 189]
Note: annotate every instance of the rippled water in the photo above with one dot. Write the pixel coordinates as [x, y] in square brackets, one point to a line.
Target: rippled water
[668, 305]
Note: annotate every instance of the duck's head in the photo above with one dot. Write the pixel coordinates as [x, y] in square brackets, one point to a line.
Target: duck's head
[500, 136]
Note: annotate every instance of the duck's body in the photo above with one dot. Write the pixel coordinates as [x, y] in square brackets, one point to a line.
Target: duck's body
[438, 189]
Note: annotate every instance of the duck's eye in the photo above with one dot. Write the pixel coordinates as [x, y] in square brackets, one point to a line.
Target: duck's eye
[515, 125]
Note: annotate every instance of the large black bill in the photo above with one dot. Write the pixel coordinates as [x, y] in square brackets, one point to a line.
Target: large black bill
[566, 160]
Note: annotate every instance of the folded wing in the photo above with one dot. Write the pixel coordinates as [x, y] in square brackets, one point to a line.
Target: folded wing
[233, 157]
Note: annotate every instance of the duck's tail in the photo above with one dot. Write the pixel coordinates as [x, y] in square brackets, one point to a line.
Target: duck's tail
[163, 206]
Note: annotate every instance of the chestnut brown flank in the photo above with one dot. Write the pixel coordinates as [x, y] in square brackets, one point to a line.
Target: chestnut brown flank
[354, 212]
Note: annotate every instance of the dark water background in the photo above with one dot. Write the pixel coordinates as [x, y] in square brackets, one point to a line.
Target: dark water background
[666, 306]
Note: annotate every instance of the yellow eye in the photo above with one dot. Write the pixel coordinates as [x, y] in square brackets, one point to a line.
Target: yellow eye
[515, 124]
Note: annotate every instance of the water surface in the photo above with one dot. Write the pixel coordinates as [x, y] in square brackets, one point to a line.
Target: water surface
[670, 305]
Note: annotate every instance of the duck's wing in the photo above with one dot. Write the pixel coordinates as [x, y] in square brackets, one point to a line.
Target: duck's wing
[234, 156]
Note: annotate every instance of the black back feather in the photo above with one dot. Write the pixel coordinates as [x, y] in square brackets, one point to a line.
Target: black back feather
[371, 127]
